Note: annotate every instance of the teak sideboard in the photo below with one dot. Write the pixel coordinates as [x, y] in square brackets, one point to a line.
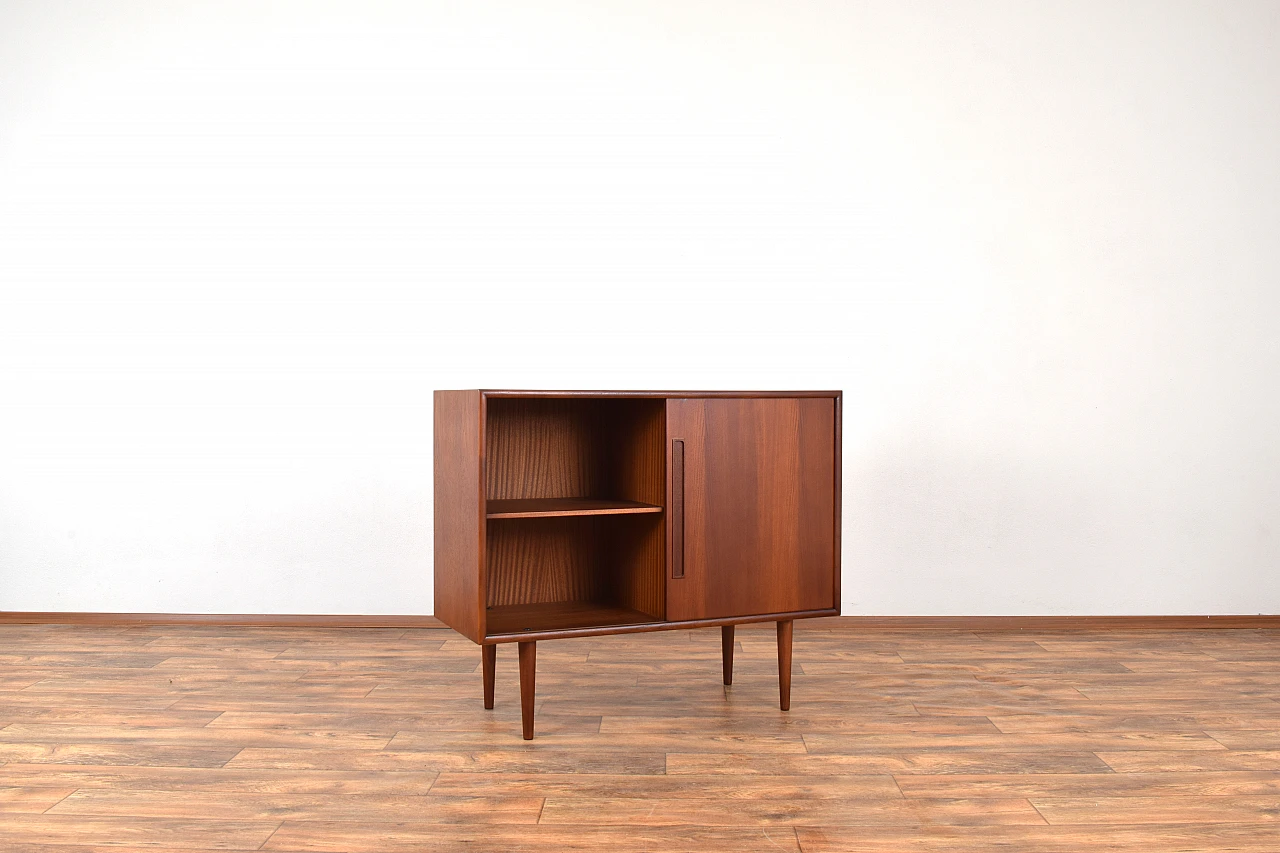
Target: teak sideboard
[579, 513]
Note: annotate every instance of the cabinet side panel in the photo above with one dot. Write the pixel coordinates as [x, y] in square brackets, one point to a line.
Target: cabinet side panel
[459, 512]
[838, 521]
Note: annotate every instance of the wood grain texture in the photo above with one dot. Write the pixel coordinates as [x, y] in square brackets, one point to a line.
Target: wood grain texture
[542, 449]
[1179, 837]
[408, 837]
[614, 561]
[545, 560]
[559, 507]
[634, 563]
[582, 448]
[459, 512]
[212, 737]
[758, 506]
[524, 619]
[633, 449]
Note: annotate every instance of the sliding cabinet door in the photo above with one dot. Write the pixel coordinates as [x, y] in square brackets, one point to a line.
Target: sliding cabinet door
[751, 505]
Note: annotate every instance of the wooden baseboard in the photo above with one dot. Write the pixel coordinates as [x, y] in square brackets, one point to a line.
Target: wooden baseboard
[869, 623]
[1052, 623]
[237, 620]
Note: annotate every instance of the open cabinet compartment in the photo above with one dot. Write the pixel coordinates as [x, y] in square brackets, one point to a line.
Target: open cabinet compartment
[574, 536]
[551, 574]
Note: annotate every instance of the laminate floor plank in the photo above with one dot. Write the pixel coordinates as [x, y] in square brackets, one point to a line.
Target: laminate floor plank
[127, 754]
[876, 742]
[941, 761]
[33, 800]
[1221, 721]
[643, 742]
[1247, 739]
[408, 837]
[1031, 785]
[1114, 708]
[95, 659]
[579, 811]
[1011, 665]
[711, 706]
[74, 700]
[25, 847]
[663, 786]
[174, 686]
[928, 729]
[1196, 761]
[265, 806]
[1160, 810]
[181, 779]
[388, 663]
[1177, 838]
[203, 738]
[109, 716]
[155, 833]
[503, 759]
[389, 724]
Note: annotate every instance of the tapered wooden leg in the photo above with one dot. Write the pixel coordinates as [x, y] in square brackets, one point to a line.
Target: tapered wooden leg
[528, 666]
[726, 652]
[489, 656]
[784, 664]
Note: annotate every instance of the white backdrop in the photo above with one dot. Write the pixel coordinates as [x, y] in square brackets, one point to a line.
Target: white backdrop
[1034, 242]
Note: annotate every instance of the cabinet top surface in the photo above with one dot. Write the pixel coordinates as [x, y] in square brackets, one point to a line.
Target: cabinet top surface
[507, 392]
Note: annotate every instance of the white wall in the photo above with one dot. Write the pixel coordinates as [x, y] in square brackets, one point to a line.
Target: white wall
[1035, 244]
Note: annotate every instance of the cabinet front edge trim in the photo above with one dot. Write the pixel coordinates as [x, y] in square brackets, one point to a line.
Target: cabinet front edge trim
[507, 392]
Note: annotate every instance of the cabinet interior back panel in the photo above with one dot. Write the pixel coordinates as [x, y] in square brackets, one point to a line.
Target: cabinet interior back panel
[543, 560]
[615, 560]
[549, 448]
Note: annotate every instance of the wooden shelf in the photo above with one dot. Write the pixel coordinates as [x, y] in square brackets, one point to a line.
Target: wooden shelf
[558, 507]
[559, 616]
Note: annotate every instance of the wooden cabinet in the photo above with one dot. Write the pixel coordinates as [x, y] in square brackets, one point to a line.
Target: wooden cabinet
[562, 514]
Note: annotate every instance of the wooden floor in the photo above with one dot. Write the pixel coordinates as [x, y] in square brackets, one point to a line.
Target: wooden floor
[294, 739]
